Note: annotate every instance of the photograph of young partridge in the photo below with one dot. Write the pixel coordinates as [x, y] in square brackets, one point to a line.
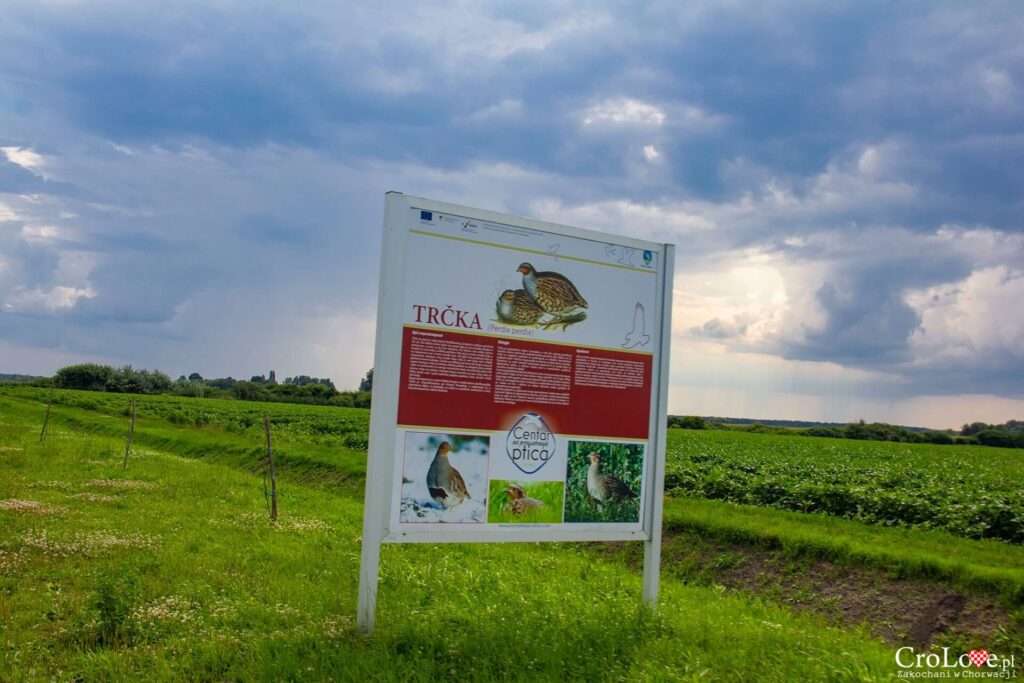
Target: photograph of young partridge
[446, 485]
[554, 294]
[519, 503]
[605, 488]
[516, 307]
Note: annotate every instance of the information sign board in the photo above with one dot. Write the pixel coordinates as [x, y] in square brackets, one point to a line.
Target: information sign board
[519, 384]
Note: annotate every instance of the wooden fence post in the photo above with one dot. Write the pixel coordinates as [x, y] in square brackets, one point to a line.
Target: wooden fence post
[131, 433]
[273, 474]
[46, 420]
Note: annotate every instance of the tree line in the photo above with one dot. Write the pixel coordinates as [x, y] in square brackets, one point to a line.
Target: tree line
[301, 389]
[1007, 435]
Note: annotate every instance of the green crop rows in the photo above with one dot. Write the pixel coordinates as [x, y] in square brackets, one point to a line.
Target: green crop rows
[325, 425]
[970, 491]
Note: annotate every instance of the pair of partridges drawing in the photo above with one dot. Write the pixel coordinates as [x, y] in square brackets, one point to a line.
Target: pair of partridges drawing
[547, 300]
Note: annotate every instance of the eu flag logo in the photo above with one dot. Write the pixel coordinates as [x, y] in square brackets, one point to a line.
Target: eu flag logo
[426, 215]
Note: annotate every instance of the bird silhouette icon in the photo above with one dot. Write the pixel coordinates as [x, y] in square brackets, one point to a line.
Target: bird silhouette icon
[638, 335]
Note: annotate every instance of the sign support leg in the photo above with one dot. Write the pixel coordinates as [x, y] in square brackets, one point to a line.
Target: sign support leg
[652, 546]
[379, 461]
[369, 573]
[652, 568]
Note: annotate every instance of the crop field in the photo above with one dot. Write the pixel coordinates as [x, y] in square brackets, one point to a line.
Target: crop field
[170, 569]
[326, 425]
[970, 491]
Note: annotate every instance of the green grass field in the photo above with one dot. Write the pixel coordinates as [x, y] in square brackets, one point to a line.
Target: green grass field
[169, 569]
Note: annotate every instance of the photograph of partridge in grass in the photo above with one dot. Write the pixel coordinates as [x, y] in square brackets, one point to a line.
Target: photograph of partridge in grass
[602, 482]
[525, 502]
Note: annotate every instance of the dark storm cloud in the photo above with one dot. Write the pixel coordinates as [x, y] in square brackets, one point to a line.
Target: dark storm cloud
[254, 140]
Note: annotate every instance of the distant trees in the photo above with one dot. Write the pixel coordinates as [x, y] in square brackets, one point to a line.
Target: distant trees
[1016, 426]
[127, 380]
[298, 389]
[686, 422]
[305, 380]
[1007, 435]
[87, 376]
[880, 431]
[367, 383]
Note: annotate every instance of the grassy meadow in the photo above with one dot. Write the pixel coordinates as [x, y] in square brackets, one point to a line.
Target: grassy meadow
[170, 569]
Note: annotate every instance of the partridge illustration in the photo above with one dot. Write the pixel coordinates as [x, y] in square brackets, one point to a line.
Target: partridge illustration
[517, 307]
[552, 292]
[519, 503]
[604, 487]
[447, 487]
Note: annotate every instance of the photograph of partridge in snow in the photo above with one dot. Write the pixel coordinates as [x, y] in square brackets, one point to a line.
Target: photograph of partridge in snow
[445, 483]
[517, 308]
[603, 482]
[554, 294]
[444, 478]
[525, 502]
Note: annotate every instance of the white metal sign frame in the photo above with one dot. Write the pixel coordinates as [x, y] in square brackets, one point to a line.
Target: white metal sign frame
[379, 500]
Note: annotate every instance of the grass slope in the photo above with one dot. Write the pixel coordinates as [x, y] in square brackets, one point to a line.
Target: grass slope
[169, 569]
[991, 567]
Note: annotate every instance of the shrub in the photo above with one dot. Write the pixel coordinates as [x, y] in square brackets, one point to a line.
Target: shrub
[87, 376]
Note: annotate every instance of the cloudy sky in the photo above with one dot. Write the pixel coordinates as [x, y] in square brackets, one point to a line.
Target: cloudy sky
[199, 186]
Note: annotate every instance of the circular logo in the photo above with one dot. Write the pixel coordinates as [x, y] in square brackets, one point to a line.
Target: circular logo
[530, 443]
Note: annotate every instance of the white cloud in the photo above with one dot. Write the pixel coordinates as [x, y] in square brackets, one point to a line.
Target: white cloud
[36, 233]
[39, 300]
[972, 322]
[26, 158]
[624, 111]
[123, 149]
[651, 152]
[6, 214]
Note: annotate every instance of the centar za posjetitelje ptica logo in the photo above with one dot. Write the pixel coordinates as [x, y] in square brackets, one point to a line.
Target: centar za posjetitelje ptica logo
[530, 443]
